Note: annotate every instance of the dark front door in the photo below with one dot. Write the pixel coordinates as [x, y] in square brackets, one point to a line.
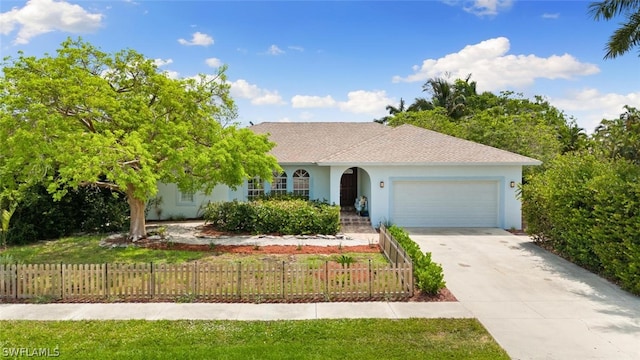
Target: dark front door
[349, 187]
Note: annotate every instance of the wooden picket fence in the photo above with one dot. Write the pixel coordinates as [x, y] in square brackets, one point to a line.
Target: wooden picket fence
[396, 254]
[208, 281]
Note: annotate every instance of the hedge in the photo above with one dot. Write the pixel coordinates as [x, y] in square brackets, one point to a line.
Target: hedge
[287, 216]
[429, 276]
[587, 209]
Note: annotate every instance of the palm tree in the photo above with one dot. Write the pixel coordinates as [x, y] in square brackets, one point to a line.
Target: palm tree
[452, 97]
[420, 104]
[395, 110]
[628, 35]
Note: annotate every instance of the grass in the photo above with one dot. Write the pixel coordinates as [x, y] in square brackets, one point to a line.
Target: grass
[85, 250]
[300, 339]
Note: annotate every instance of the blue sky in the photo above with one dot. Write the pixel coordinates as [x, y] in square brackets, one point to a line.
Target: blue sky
[345, 61]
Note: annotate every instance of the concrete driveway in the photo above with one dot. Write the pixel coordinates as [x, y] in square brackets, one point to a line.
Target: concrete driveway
[535, 304]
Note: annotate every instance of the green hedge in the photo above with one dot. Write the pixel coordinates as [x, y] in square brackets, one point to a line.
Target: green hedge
[277, 215]
[587, 209]
[87, 209]
[429, 276]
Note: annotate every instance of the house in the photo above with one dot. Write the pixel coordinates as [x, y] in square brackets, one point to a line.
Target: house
[410, 176]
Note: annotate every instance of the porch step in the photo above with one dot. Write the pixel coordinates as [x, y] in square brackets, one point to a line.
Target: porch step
[352, 219]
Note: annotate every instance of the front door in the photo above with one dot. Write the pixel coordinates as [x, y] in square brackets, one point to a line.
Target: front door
[349, 187]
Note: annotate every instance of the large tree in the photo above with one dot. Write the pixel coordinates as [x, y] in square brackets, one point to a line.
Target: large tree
[87, 118]
[627, 35]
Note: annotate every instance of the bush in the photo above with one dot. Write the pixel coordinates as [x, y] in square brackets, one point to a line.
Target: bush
[290, 216]
[39, 217]
[429, 276]
[587, 209]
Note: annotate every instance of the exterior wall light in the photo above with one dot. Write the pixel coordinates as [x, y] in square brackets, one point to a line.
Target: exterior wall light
[381, 184]
[512, 184]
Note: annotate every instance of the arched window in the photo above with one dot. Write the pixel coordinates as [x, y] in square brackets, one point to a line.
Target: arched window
[301, 183]
[279, 184]
[254, 188]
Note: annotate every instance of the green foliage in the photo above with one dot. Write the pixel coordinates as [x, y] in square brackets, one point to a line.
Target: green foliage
[619, 138]
[267, 216]
[508, 122]
[345, 260]
[627, 36]
[39, 217]
[587, 209]
[429, 275]
[115, 120]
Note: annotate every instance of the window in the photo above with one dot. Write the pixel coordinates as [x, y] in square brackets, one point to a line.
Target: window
[254, 188]
[186, 197]
[279, 184]
[301, 183]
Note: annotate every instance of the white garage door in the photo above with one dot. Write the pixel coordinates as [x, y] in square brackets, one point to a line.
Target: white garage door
[445, 203]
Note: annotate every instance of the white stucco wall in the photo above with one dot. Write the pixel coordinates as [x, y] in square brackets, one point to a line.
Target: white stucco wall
[172, 208]
[380, 201]
[325, 185]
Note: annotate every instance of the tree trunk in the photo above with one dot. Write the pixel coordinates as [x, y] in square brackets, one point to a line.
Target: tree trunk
[137, 228]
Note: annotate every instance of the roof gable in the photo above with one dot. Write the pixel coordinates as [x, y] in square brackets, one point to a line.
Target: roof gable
[328, 143]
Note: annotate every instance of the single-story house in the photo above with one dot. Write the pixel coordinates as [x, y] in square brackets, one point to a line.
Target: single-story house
[410, 176]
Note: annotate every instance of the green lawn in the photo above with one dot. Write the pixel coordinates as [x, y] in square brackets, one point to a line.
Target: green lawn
[85, 250]
[307, 339]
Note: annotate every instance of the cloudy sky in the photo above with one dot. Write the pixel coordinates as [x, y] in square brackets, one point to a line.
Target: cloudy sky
[345, 61]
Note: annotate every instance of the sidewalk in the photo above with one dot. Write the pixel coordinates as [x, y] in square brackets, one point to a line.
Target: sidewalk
[234, 311]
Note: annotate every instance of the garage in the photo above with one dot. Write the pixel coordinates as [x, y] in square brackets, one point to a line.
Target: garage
[439, 203]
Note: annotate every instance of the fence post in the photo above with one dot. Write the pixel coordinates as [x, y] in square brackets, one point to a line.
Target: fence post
[370, 281]
[15, 288]
[62, 280]
[284, 296]
[239, 279]
[152, 280]
[326, 278]
[106, 280]
[195, 278]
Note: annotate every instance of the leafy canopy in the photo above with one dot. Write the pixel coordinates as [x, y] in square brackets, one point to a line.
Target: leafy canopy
[86, 117]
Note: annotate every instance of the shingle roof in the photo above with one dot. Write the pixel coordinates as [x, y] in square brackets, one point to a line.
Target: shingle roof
[329, 143]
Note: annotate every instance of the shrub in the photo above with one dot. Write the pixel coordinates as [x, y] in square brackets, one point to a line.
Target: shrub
[429, 276]
[587, 209]
[39, 217]
[291, 216]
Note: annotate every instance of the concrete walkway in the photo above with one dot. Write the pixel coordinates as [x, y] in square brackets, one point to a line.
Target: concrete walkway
[217, 311]
[535, 304]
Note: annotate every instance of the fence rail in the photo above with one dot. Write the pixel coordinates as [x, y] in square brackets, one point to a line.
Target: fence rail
[207, 281]
[396, 254]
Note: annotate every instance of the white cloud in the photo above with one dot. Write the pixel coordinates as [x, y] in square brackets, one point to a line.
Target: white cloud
[162, 62]
[241, 88]
[274, 50]
[296, 48]
[589, 106]
[304, 101]
[358, 102]
[487, 7]
[284, 120]
[366, 102]
[197, 39]
[551, 16]
[42, 16]
[213, 62]
[495, 70]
